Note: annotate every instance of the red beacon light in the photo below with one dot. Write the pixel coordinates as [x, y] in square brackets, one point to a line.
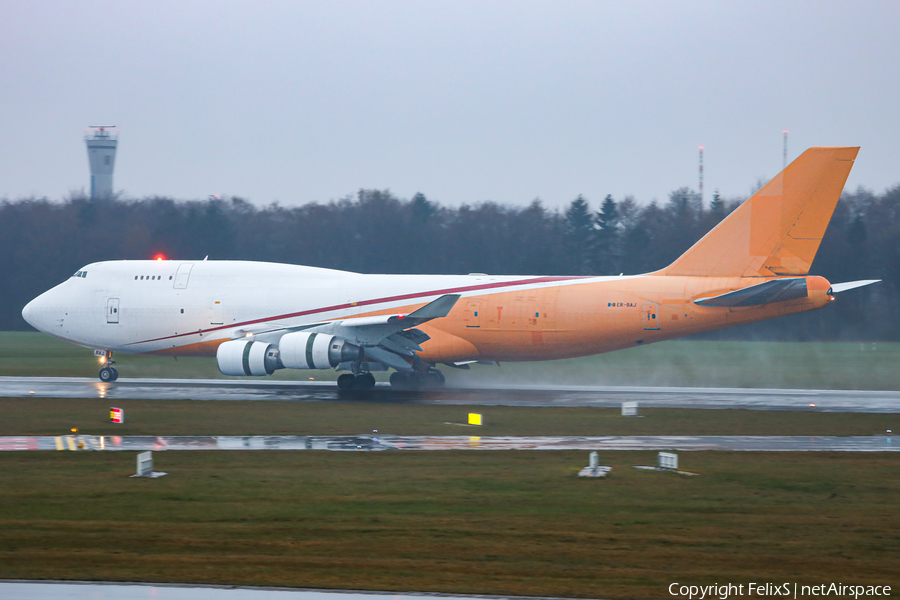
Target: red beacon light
[159, 257]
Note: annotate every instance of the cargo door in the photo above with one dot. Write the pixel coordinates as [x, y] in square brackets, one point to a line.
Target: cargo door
[651, 315]
[215, 312]
[473, 314]
[183, 275]
[112, 310]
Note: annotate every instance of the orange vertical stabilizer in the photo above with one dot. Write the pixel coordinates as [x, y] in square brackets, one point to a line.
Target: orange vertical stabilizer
[778, 230]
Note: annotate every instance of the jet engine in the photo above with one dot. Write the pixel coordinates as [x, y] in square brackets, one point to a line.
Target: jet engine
[244, 357]
[303, 350]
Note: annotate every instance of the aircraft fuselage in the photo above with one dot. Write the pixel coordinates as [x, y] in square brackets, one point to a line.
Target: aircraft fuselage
[188, 308]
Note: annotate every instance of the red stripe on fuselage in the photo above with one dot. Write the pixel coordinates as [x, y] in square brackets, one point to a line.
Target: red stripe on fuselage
[471, 288]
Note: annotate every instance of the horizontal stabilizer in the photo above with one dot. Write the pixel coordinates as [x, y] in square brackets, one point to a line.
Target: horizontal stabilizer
[776, 290]
[459, 365]
[843, 287]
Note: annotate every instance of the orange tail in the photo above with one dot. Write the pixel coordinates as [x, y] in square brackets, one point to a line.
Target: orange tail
[778, 230]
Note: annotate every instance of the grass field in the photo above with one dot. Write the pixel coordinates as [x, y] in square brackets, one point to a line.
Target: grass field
[458, 522]
[818, 365]
[476, 522]
[50, 416]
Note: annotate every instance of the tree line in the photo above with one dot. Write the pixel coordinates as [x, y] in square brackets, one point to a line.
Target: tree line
[42, 242]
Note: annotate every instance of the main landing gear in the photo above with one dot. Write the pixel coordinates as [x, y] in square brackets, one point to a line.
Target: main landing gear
[108, 372]
[417, 380]
[349, 381]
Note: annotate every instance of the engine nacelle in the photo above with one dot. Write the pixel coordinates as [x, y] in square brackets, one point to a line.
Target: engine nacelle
[303, 350]
[244, 357]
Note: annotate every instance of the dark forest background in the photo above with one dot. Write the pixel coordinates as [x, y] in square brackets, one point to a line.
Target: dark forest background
[43, 242]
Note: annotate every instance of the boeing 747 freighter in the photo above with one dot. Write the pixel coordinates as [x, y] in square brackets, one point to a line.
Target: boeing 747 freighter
[258, 317]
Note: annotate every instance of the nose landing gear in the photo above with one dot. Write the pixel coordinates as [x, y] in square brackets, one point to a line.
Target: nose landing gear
[108, 373]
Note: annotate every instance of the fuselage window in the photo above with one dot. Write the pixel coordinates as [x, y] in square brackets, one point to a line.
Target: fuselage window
[135, 277]
[142, 277]
[170, 278]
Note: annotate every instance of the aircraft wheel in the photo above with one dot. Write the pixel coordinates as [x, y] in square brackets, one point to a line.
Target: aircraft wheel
[436, 378]
[398, 379]
[365, 381]
[106, 375]
[115, 373]
[416, 381]
[346, 381]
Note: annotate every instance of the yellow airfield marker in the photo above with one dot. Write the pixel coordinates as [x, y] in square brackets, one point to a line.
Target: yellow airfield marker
[475, 419]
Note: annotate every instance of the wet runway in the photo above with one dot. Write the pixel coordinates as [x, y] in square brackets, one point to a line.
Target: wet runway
[369, 443]
[609, 396]
[40, 590]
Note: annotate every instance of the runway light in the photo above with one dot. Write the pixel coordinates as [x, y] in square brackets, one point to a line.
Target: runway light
[312, 378]
[812, 405]
[74, 430]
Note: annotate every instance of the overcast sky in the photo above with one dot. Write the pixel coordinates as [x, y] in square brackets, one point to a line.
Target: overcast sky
[295, 101]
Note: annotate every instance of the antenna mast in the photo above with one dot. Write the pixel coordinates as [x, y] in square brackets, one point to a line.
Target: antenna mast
[784, 154]
[701, 175]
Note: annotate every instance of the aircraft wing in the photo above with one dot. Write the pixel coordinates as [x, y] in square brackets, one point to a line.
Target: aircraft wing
[360, 330]
[371, 331]
[390, 339]
[776, 290]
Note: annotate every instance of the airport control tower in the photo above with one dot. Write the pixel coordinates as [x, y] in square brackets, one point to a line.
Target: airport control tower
[101, 147]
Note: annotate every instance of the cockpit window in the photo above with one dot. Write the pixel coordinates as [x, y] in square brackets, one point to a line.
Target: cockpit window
[81, 274]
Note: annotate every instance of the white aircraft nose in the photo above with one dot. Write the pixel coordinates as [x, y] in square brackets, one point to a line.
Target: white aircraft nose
[32, 313]
[28, 313]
